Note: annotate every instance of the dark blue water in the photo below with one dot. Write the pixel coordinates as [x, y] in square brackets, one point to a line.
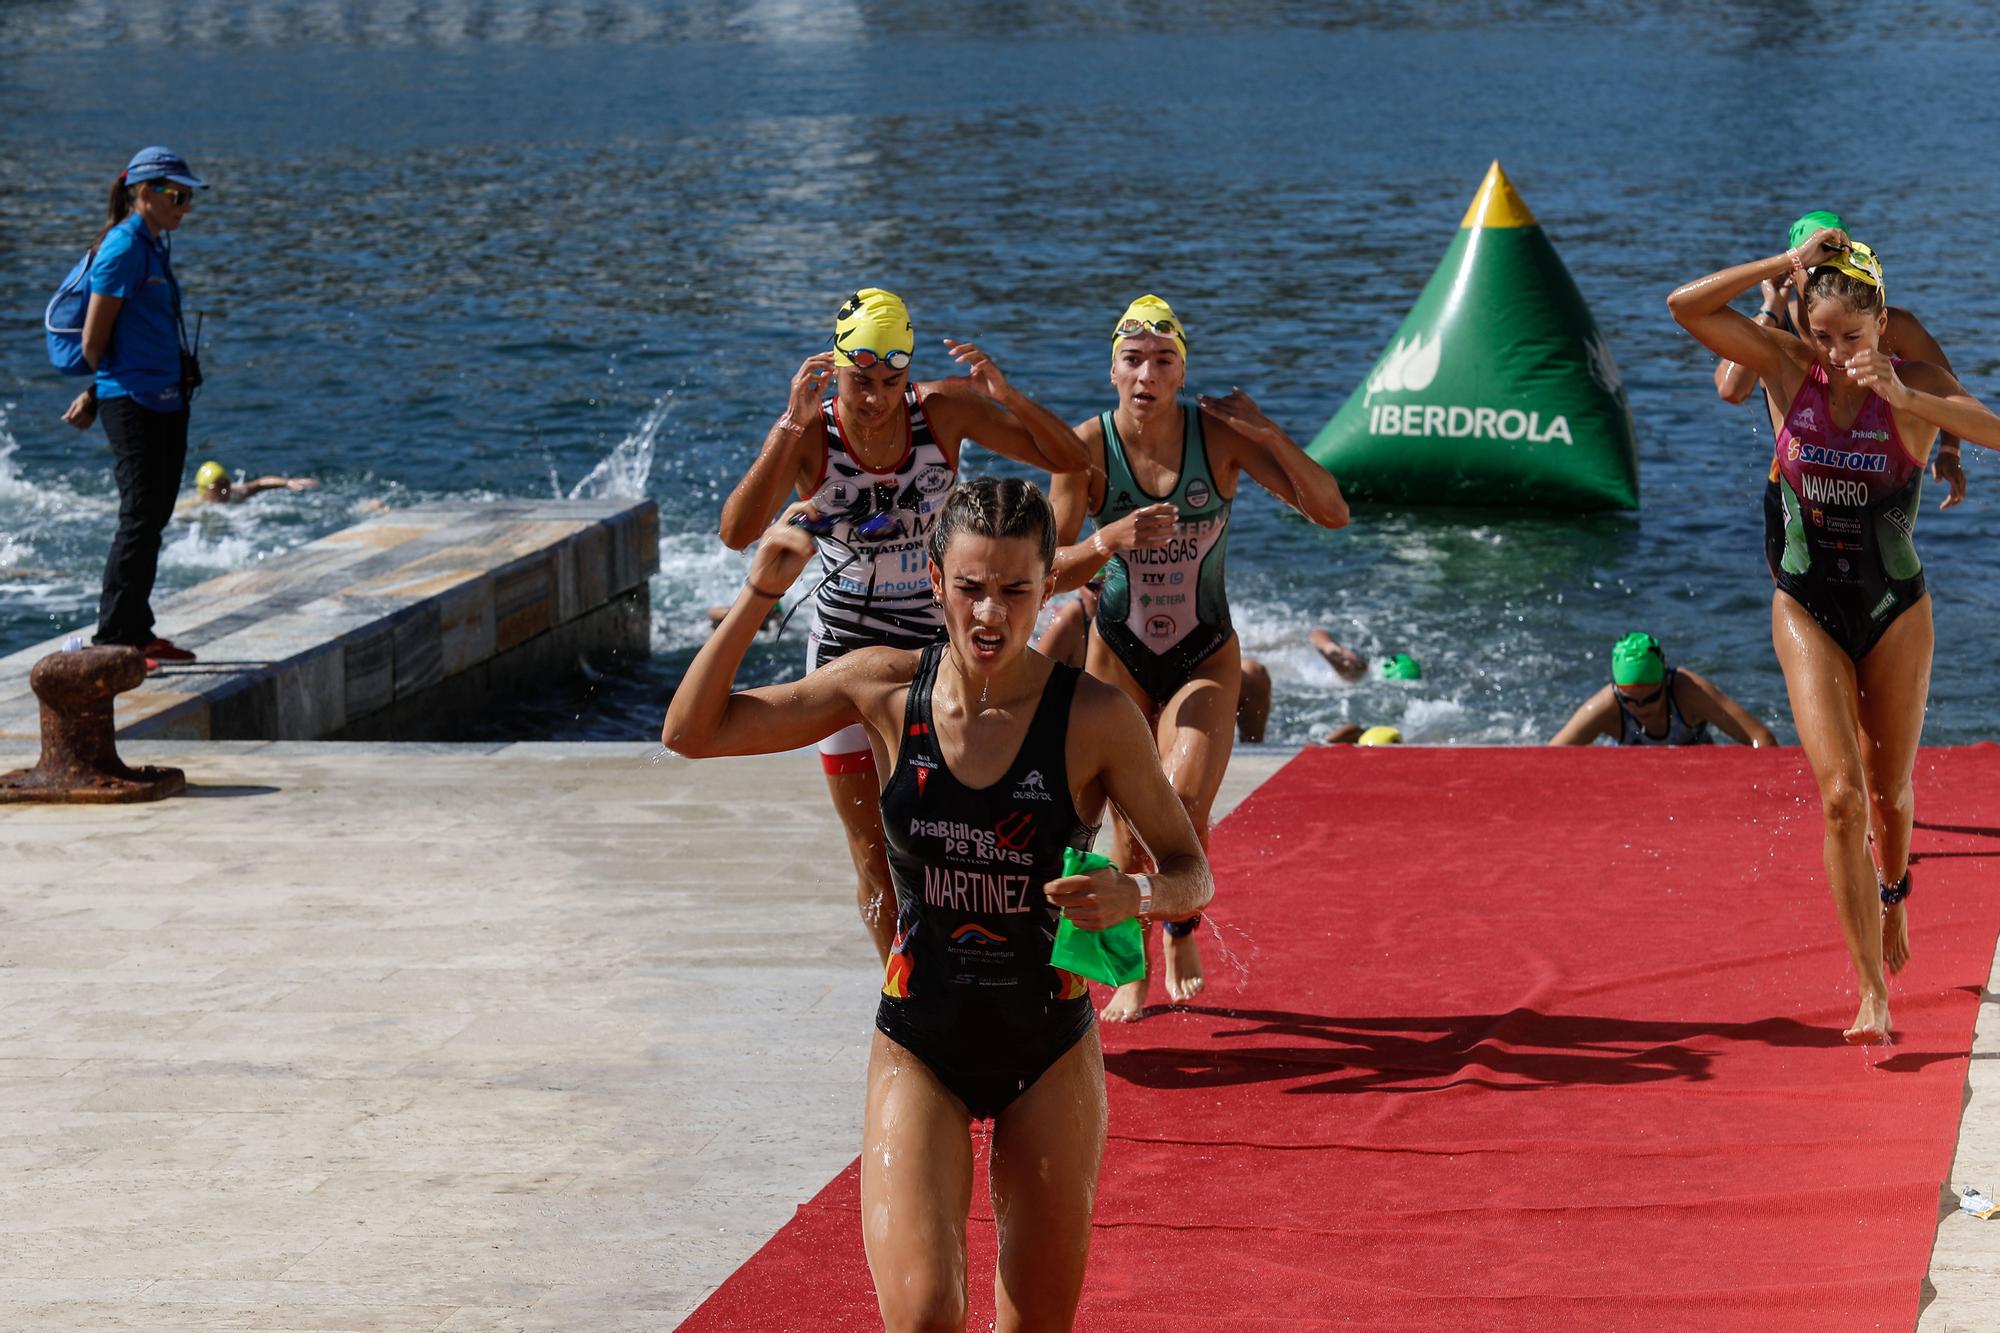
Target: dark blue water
[496, 249]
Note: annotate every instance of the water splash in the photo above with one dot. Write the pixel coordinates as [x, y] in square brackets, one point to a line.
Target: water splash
[1240, 963]
[625, 472]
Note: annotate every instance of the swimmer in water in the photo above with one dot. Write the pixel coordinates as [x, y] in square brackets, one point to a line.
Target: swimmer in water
[875, 459]
[1163, 633]
[1651, 703]
[212, 485]
[979, 735]
[1850, 617]
[1904, 336]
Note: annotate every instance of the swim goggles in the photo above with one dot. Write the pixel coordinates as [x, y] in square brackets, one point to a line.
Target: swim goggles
[1860, 262]
[1166, 328]
[864, 357]
[1644, 700]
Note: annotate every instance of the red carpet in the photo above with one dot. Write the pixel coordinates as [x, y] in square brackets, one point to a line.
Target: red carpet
[1522, 1039]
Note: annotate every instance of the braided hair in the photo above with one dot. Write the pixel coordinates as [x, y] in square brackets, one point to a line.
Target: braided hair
[995, 507]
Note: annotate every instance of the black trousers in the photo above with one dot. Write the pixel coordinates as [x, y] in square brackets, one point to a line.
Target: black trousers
[149, 453]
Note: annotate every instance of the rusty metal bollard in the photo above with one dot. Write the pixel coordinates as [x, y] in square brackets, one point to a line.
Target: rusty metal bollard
[80, 763]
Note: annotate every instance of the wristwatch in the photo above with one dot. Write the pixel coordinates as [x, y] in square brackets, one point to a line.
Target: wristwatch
[1145, 883]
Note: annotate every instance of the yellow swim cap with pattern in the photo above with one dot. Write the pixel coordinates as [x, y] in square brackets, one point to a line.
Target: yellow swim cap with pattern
[873, 327]
[1149, 314]
[210, 476]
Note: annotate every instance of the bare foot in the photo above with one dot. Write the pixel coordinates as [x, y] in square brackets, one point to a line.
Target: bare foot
[1895, 937]
[1871, 1022]
[1127, 1004]
[1183, 961]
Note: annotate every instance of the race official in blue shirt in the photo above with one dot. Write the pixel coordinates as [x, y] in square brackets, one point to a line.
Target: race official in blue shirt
[132, 338]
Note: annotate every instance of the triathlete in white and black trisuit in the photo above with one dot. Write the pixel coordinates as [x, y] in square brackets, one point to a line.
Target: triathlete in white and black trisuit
[875, 581]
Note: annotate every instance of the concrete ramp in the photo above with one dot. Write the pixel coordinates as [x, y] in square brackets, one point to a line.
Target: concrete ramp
[396, 626]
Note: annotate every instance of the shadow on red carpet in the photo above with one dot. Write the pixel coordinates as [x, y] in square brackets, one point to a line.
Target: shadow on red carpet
[1514, 1039]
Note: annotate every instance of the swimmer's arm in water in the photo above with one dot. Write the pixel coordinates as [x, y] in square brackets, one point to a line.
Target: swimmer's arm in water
[1110, 748]
[780, 466]
[1907, 337]
[1702, 700]
[1597, 717]
[707, 719]
[1256, 444]
[1924, 396]
[981, 405]
[1142, 529]
[238, 494]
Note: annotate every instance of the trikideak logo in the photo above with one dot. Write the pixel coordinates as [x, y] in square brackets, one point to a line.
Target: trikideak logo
[1408, 366]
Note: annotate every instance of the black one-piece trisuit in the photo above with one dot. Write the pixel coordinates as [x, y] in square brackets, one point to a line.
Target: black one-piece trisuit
[969, 989]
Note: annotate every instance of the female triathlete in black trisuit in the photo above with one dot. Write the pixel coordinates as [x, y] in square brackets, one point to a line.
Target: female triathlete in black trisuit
[997, 760]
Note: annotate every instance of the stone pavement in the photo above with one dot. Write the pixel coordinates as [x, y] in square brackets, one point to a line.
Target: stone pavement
[393, 627]
[407, 1037]
[529, 1037]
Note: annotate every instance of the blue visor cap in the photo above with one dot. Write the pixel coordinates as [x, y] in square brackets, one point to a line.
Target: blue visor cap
[151, 164]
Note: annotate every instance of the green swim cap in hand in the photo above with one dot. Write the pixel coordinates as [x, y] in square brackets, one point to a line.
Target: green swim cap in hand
[1401, 666]
[1636, 659]
[1114, 955]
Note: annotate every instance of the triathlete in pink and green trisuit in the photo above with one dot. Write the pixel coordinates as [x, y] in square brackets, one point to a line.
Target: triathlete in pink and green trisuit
[1838, 515]
[1162, 480]
[1850, 619]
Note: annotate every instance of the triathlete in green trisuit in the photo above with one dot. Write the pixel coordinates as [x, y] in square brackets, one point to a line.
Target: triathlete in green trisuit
[1163, 630]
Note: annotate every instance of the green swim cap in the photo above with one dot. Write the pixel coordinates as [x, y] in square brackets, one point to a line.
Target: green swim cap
[1401, 666]
[1636, 659]
[1812, 222]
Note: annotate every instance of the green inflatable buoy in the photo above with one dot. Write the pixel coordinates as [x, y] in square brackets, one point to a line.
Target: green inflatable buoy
[1497, 390]
[1114, 955]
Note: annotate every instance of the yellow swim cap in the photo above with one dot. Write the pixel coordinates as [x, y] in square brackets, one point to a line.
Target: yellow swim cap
[1149, 314]
[210, 476]
[1380, 736]
[873, 326]
[1858, 261]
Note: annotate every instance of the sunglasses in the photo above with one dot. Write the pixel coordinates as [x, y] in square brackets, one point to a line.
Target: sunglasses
[865, 358]
[1095, 587]
[1164, 327]
[175, 194]
[1643, 699]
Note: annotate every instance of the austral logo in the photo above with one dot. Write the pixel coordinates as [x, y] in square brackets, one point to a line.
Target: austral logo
[1409, 368]
[1030, 788]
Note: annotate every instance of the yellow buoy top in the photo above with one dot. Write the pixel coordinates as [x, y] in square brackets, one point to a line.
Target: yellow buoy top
[1498, 204]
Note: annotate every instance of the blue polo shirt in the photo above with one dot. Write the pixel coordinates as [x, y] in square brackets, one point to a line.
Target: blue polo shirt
[144, 358]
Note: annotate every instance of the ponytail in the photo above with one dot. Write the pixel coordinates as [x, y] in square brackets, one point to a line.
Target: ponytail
[118, 206]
